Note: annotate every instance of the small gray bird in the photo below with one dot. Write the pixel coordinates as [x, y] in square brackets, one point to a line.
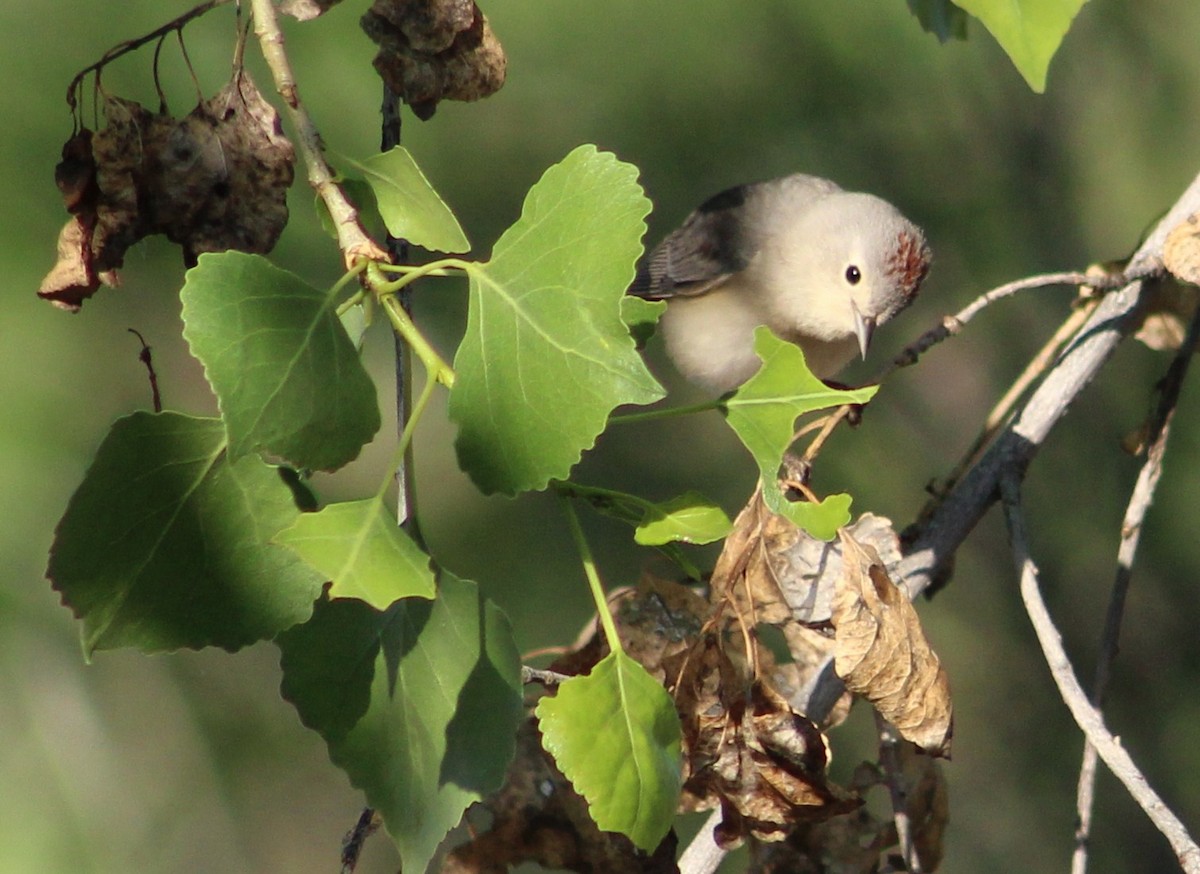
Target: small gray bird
[820, 266]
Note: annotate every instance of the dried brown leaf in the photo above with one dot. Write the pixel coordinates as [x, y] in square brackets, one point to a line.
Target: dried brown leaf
[73, 279]
[224, 177]
[434, 51]
[1167, 310]
[881, 652]
[859, 842]
[746, 749]
[773, 572]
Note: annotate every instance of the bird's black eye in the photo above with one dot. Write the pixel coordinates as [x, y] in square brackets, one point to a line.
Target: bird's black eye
[853, 274]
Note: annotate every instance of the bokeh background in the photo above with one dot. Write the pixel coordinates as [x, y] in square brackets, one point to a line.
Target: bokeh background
[191, 763]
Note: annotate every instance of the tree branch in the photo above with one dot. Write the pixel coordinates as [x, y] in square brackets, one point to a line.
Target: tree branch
[353, 240]
[1131, 528]
[1087, 717]
[932, 542]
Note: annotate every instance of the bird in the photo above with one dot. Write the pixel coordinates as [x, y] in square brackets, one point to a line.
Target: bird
[820, 266]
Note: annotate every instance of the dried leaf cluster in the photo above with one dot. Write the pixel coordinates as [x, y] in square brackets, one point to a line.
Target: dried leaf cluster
[749, 748]
[434, 51]
[213, 180]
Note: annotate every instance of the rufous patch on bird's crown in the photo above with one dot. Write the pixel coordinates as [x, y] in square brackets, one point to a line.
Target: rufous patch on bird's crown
[909, 261]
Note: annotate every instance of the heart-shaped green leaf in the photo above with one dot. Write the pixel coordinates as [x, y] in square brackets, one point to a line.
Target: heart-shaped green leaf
[763, 414]
[287, 377]
[1029, 31]
[166, 542]
[615, 735]
[419, 704]
[546, 356]
[362, 550]
[410, 207]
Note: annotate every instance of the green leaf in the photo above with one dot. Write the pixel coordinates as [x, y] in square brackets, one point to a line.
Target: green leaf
[763, 414]
[641, 316]
[941, 18]
[359, 546]
[287, 377]
[418, 704]
[166, 542]
[615, 735]
[1030, 31]
[546, 356]
[691, 517]
[410, 207]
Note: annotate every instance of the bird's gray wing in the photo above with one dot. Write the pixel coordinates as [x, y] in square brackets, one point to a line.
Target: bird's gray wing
[702, 252]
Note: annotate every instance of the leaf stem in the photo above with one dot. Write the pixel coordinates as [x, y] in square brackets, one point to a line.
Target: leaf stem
[593, 578]
[438, 369]
[406, 435]
[441, 267]
[666, 412]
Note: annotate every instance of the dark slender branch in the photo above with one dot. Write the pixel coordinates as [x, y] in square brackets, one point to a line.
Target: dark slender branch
[1087, 717]
[352, 844]
[1131, 528]
[146, 359]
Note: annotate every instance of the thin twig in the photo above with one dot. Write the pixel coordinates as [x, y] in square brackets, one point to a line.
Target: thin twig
[546, 678]
[123, 48]
[893, 775]
[1087, 717]
[146, 359]
[702, 855]
[353, 240]
[352, 844]
[953, 324]
[1131, 529]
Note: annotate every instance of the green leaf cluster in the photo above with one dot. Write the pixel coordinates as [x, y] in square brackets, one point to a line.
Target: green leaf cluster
[192, 532]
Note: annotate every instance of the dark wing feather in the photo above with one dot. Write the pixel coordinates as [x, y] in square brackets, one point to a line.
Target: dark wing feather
[702, 253]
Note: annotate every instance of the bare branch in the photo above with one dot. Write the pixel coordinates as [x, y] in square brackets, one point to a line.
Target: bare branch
[1087, 717]
[1131, 529]
[931, 544]
[702, 855]
[353, 240]
[894, 779]
[546, 678]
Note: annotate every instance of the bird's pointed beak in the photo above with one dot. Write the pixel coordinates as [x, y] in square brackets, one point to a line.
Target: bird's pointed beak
[864, 327]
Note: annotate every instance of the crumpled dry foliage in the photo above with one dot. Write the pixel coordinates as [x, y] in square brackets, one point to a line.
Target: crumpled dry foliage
[747, 750]
[881, 652]
[855, 844]
[434, 50]
[1168, 305]
[213, 180]
[747, 746]
[774, 572]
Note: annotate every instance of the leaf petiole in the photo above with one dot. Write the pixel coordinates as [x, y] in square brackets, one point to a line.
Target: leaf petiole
[593, 578]
[666, 412]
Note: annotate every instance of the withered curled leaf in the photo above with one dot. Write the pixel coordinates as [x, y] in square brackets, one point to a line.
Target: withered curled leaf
[434, 51]
[746, 749]
[881, 652]
[214, 180]
[1168, 308]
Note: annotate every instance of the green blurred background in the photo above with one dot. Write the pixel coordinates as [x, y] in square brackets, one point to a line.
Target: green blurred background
[191, 762]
